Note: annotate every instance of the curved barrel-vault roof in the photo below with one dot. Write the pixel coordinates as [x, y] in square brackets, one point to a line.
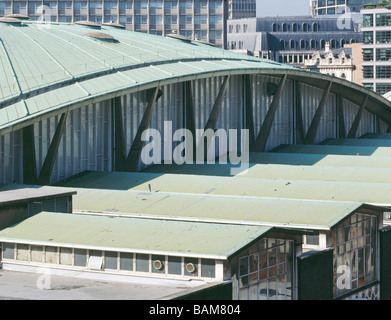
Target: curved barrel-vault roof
[48, 69]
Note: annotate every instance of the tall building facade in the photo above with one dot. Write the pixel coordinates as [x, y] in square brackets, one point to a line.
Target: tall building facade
[289, 39]
[332, 7]
[238, 9]
[195, 19]
[377, 49]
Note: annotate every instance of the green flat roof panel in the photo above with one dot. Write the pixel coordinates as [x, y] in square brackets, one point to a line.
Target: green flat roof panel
[134, 235]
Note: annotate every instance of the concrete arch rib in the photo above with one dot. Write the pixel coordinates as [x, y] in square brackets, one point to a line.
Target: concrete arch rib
[376, 104]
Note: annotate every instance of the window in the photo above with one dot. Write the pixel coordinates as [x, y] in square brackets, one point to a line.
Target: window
[382, 37]
[332, 44]
[313, 44]
[383, 72]
[322, 44]
[368, 54]
[207, 268]
[292, 44]
[382, 20]
[302, 44]
[111, 259]
[80, 257]
[305, 27]
[355, 249]
[368, 37]
[368, 86]
[274, 27]
[315, 27]
[126, 261]
[8, 251]
[265, 271]
[174, 265]
[383, 88]
[284, 27]
[294, 27]
[95, 260]
[383, 54]
[142, 262]
[368, 20]
[158, 264]
[282, 45]
[368, 72]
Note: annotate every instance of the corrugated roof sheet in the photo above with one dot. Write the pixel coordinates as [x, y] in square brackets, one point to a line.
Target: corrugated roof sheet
[209, 240]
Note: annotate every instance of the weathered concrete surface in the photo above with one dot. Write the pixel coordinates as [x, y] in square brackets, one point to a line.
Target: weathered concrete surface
[23, 285]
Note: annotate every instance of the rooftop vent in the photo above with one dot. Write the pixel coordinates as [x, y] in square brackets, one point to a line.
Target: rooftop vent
[112, 24]
[100, 36]
[10, 20]
[178, 36]
[88, 24]
[17, 16]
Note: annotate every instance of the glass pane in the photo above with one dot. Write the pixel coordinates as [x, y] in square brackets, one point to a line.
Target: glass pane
[281, 287]
[142, 262]
[175, 265]
[243, 266]
[263, 290]
[111, 259]
[80, 256]
[272, 289]
[66, 256]
[36, 254]
[253, 262]
[126, 261]
[158, 264]
[253, 291]
[243, 294]
[208, 268]
[354, 264]
[272, 257]
[193, 261]
[51, 254]
[22, 252]
[8, 251]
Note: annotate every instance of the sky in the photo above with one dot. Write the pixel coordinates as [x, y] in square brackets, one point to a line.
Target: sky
[270, 8]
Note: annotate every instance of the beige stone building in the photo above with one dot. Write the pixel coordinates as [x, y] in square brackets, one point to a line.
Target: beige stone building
[343, 63]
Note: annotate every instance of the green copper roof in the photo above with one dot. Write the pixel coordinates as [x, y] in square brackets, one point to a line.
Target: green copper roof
[67, 67]
[208, 240]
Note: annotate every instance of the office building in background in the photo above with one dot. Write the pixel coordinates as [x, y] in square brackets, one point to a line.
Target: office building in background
[201, 19]
[333, 7]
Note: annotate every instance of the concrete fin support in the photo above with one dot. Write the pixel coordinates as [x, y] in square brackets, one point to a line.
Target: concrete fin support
[313, 129]
[132, 160]
[47, 167]
[353, 130]
[214, 115]
[260, 142]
